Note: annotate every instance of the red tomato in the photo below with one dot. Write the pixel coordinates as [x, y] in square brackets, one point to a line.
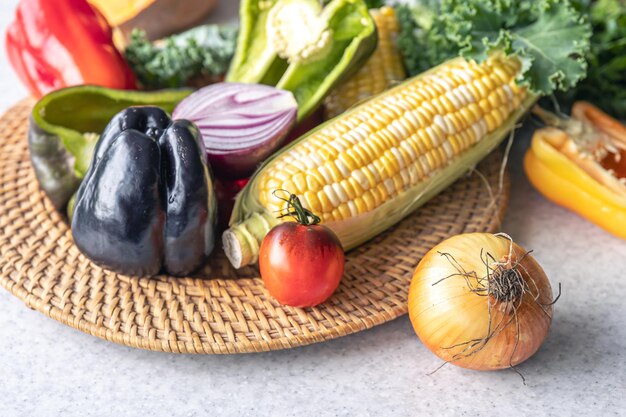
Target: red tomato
[301, 265]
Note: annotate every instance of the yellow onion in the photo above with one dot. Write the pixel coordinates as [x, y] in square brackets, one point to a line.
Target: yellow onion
[480, 301]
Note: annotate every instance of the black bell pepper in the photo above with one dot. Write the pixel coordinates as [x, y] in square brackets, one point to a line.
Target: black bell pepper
[147, 202]
[65, 125]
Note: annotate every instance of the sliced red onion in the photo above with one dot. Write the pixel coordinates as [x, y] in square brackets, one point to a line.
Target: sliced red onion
[241, 124]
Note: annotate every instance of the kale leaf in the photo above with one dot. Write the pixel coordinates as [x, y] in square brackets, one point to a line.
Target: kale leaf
[201, 52]
[549, 37]
[605, 85]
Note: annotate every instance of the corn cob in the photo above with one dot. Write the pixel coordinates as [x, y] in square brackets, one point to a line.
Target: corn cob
[383, 69]
[374, 165]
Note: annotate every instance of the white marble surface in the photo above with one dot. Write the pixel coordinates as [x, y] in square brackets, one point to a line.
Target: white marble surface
[48, 369]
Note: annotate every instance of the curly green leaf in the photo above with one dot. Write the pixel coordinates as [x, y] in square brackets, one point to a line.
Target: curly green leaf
[549, 37]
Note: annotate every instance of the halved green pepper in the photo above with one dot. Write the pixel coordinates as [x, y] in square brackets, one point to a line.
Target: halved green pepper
[299, 46]
[66, 124]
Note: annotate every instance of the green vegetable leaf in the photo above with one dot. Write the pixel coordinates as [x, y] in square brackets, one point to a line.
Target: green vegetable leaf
[605, 84]
[371, 4]
[552, 50]
[549, 37]
[201, 52]
[422, 46]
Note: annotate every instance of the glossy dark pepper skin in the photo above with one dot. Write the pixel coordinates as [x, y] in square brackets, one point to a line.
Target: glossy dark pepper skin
[147, 202]
[59, 140]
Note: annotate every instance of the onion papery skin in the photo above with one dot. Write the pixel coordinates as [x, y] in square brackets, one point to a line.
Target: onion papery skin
[241, 124]
[448, 313]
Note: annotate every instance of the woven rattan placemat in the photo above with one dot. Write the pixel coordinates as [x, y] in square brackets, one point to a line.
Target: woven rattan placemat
[219, 310]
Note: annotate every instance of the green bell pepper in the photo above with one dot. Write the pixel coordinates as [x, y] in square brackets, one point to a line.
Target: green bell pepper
[65, 126]
[301, 47]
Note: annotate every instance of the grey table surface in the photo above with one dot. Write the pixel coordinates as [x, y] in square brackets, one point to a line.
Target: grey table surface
[48, 369]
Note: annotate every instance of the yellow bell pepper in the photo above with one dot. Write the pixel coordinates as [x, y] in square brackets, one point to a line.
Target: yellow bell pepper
[581, 164]
[158, 18]
[119, 11]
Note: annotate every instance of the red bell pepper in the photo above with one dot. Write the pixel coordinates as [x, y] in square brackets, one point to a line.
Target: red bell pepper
[58, 43]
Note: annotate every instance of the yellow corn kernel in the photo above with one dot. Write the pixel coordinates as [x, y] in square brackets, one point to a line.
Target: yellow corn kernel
[344, 211]
[313, 203]
[369, 200]
[491, 121]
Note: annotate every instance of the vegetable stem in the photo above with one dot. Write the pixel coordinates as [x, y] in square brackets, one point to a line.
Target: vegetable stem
[296, 210]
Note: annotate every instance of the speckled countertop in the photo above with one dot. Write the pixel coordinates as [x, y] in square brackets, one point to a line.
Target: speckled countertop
[48, 369]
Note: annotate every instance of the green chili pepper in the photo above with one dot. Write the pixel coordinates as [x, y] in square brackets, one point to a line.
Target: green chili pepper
[65, 126]
[299, 46]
